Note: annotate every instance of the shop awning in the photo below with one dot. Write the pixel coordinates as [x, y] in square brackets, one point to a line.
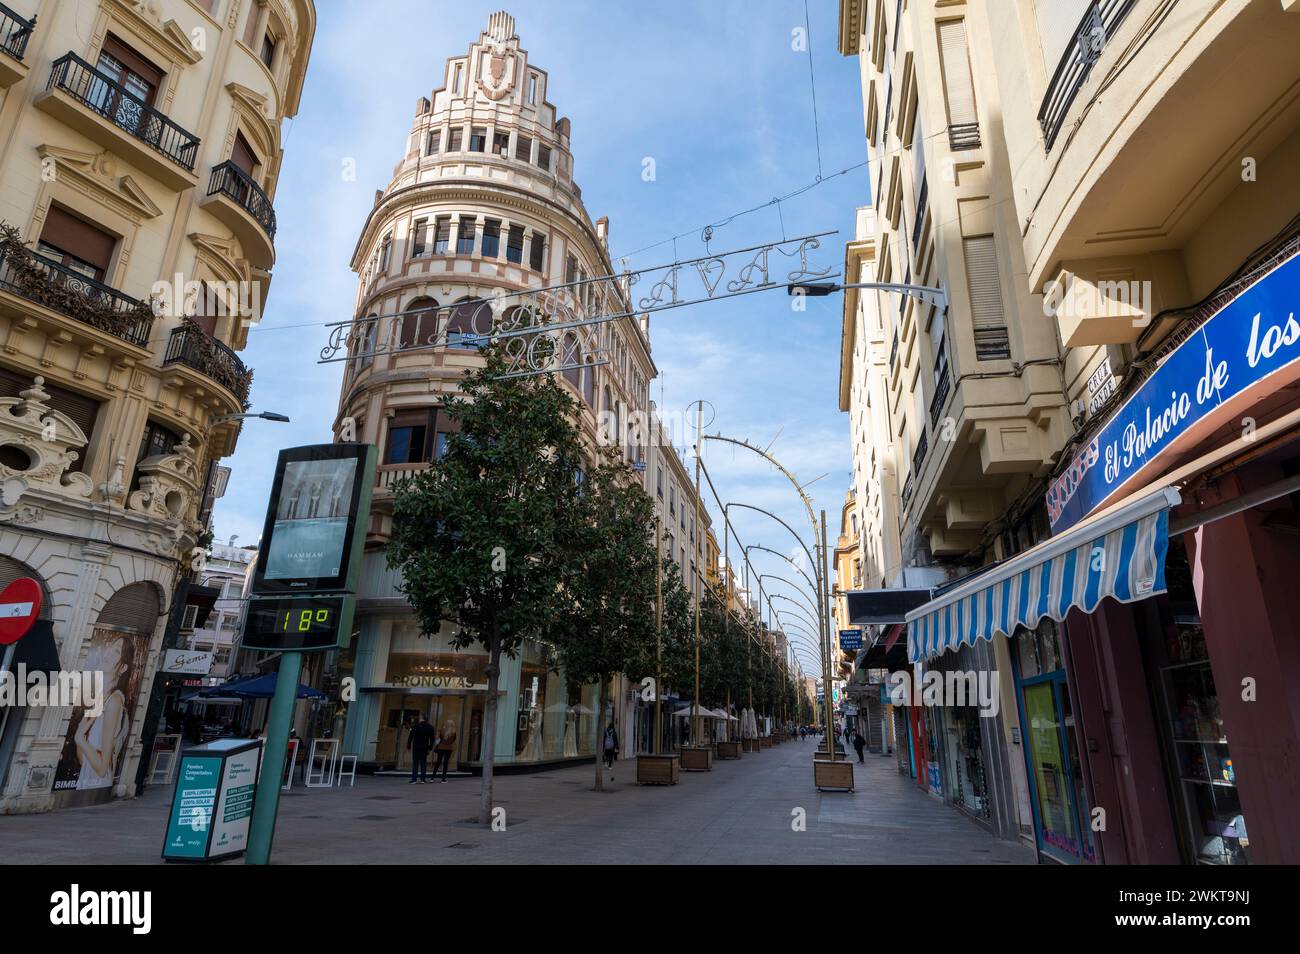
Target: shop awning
[1119, 553]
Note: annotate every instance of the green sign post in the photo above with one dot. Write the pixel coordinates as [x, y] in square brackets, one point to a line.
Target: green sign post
[304, 589]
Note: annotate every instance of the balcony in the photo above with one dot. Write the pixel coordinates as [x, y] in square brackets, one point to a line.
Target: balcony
[922, 199]
[194, 349]
[46, 282]
[241, 205]
[14, 34]
[388, 476]
[918, 455]
[941, 388]
[1100, 21]
[105, 112]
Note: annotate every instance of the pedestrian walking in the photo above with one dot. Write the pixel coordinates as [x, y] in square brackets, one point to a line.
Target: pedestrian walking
[859, 743]
[611, 748]
[446, 745]
[418, 741]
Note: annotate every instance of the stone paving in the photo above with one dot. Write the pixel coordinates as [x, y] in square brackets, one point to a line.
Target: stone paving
[739, 813]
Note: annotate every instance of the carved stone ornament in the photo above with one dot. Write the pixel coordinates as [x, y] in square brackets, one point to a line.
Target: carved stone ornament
[37, 446]
[169, 484]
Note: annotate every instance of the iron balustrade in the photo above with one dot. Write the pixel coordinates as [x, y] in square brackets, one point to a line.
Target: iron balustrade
[922, 200]
[15, 31]
[1099, 23]
[941, 388]
[47, 282]
[964, 136]
[918, 455]
[908, 486]
[190, 346]
[236, 184]
[893, 352]
[127, 112]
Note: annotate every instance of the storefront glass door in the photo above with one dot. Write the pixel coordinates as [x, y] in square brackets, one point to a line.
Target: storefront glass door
[1061, 805]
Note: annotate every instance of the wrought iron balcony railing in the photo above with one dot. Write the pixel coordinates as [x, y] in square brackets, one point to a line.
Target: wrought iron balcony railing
[46, 282]
[964, 136]
[922, 199]
[14, 32]
[1099, 23]
[234, 183]
[124, 110]
[941, 388]
[918, 455]
[190, 346]
[893, 353]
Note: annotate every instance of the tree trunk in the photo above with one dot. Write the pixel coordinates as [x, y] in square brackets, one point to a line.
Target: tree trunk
[488, 753]
[600, 738]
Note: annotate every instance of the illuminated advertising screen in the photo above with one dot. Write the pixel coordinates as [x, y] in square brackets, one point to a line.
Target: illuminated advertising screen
[316, 499]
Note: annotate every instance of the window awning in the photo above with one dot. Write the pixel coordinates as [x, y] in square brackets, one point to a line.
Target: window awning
[1119, 553]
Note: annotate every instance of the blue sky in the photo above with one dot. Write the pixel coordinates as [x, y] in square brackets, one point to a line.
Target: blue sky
[712, 91]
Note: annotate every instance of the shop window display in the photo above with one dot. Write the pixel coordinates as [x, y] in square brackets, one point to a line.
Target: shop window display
[1204, 781]
[556, 719]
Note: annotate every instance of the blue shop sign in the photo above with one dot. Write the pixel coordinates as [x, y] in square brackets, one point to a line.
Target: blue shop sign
[850, 639]
[1250, 346]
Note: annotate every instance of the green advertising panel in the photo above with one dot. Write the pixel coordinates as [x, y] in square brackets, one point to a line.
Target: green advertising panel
[212, 805]
[197, 781]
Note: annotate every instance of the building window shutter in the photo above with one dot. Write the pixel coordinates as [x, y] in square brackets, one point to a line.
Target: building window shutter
[988, 317]
[134, 608]
[956, 73]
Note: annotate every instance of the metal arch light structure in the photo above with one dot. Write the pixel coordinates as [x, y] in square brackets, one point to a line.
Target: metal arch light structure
[796, 566]
[795, 604]
[769, 513]
[772, 576]
[823, 590]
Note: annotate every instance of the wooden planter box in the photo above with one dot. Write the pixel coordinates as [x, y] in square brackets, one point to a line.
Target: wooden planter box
[697, 759]
[833, 775]
[657, 769]
[820, 755]
[729, 750]
[749, 745]
[765, 742]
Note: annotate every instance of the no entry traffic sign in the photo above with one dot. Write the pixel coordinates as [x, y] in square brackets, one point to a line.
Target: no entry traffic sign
[20, 604]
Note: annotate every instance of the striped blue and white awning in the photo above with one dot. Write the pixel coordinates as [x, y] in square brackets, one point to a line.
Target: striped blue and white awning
[1120, 554]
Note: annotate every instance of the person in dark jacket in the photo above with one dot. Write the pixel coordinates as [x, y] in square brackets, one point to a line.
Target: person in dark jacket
[859, 743]
[611, 746]
[419, 742]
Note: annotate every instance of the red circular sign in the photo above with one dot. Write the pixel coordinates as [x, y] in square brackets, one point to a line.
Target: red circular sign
[20, 604]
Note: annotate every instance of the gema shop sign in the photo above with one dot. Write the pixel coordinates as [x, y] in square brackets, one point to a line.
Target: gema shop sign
[1249, 347]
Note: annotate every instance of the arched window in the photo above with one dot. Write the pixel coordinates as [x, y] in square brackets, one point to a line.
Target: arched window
[367, 332]
[420, 322]
[571, 359]
[589, 386]
[118, 648]
[613, 432]
[468, 316]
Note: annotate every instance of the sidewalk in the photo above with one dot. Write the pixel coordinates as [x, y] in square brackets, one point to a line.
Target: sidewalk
[740, 813]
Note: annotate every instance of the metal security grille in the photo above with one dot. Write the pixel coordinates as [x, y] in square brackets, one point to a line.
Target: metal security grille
[134, 608]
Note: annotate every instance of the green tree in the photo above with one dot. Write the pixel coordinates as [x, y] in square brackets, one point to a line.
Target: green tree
[482, 538]
[606, 615]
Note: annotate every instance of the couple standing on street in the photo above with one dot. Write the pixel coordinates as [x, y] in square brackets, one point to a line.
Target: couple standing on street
[420, 740]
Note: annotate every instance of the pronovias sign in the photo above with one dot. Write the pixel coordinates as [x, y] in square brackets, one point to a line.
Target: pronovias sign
[1249, 347]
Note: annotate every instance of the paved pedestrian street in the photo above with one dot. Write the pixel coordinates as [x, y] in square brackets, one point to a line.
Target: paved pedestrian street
[741, 812]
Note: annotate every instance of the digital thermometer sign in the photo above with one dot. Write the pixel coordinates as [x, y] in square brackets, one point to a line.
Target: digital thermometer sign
[303, 623]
